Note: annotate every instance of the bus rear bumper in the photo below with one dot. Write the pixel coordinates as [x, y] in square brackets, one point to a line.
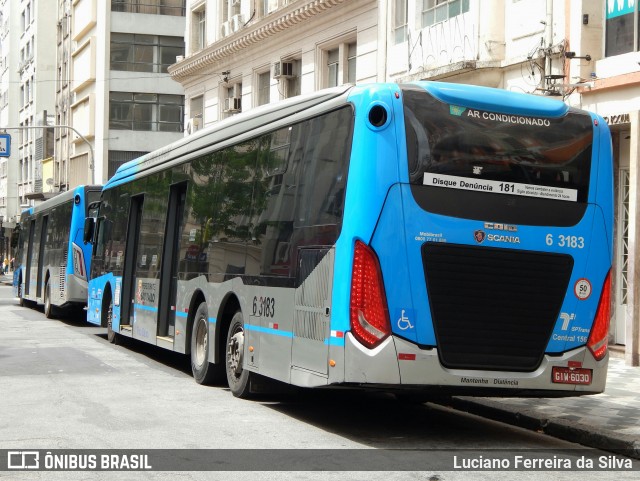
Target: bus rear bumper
[399, 363]
[76, 290]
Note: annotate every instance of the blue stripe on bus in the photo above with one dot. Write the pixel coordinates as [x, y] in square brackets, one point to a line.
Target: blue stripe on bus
[212, 320]
[145, 308]
[332, 341]
[268, 330]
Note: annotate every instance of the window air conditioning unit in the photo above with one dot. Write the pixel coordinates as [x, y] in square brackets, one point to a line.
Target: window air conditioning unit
[179, 58]
[235, 2]
[236, 23]
[283, 70]
[225, 29]
[233, 104]
[193, 125]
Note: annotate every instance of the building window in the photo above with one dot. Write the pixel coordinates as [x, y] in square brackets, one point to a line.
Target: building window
[351, 63]
[144, 111]
[264, 87]
[621, 28]
[435, 11]
[144, 53]
[196, 107]
[230, 9]
[340, 67]
[175, 8]
[333, 63]
[269, 6]
[292, 85]
[400, 21]
[232, 99]
[199, 30]
[118, 157]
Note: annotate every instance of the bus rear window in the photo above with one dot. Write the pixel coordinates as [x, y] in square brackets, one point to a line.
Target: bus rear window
[462, 148]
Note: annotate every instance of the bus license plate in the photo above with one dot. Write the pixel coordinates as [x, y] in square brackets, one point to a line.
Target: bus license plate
[566, 375]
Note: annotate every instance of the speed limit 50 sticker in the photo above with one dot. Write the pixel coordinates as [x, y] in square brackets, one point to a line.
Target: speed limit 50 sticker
[582, 289]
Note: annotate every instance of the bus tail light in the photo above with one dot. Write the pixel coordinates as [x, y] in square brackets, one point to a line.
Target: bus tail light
[599, 336]
[368, 307]
[78, 262]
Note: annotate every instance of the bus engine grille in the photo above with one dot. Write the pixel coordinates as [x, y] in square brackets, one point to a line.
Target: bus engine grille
[493, 309]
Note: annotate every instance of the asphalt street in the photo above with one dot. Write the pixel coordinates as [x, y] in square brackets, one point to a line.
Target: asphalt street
[64, 387]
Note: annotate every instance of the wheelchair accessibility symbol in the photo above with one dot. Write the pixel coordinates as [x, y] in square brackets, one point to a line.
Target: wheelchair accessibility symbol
[404, 323]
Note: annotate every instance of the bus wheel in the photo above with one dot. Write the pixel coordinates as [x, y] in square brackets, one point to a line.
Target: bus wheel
[112, 336]
[49, 310]
[237, 377]
[203, 371]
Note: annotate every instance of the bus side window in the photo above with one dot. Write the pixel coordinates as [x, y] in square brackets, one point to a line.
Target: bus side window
[272, 212]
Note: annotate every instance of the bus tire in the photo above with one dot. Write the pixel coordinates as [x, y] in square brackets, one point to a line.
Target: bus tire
[49, 309]
[112, 336]
[238, 378]
[20, 298]
[204, 372]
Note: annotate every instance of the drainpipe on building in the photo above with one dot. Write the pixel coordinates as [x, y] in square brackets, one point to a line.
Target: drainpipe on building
[383, 38]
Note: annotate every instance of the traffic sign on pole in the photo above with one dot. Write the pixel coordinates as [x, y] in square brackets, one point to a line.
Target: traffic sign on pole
[5, 145]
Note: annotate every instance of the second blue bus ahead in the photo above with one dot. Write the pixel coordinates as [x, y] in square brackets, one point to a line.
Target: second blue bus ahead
[52, 262]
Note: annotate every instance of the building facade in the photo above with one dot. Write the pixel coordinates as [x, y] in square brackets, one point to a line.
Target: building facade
[242, 54]
[9, 89]
[113, 84]
[95, 72]
[26, 105]
[614, 92]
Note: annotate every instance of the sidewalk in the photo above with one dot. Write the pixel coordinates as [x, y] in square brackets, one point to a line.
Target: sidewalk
[608, 421]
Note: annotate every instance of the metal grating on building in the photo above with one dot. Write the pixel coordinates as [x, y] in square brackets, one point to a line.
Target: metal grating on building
[493, 309]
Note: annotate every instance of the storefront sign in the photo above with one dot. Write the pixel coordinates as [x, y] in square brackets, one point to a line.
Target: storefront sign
[619, 119]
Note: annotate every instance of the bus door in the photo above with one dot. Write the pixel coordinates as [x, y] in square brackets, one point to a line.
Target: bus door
[43, 241]
[27, 268]
[130, 255]
[170, 260]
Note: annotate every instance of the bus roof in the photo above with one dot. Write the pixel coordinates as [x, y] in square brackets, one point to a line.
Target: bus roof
[269, 117]
[231, 129]
[60, 199]
[486, 98]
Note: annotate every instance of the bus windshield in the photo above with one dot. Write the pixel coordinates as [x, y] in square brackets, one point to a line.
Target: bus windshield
[462, 148]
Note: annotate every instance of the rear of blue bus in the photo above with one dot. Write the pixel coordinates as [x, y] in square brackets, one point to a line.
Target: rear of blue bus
[481, 262]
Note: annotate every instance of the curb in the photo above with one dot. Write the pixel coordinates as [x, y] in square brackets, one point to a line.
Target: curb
[556, 427]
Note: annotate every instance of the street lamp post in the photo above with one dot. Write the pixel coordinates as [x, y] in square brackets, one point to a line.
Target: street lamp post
[2, 241]
[91, 154]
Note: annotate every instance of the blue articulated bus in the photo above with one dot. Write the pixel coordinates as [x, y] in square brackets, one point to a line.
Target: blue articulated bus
[420, 238]
[52, 259]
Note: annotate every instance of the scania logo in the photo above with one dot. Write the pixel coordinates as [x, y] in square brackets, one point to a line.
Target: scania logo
[479, 236]
[503, 227]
